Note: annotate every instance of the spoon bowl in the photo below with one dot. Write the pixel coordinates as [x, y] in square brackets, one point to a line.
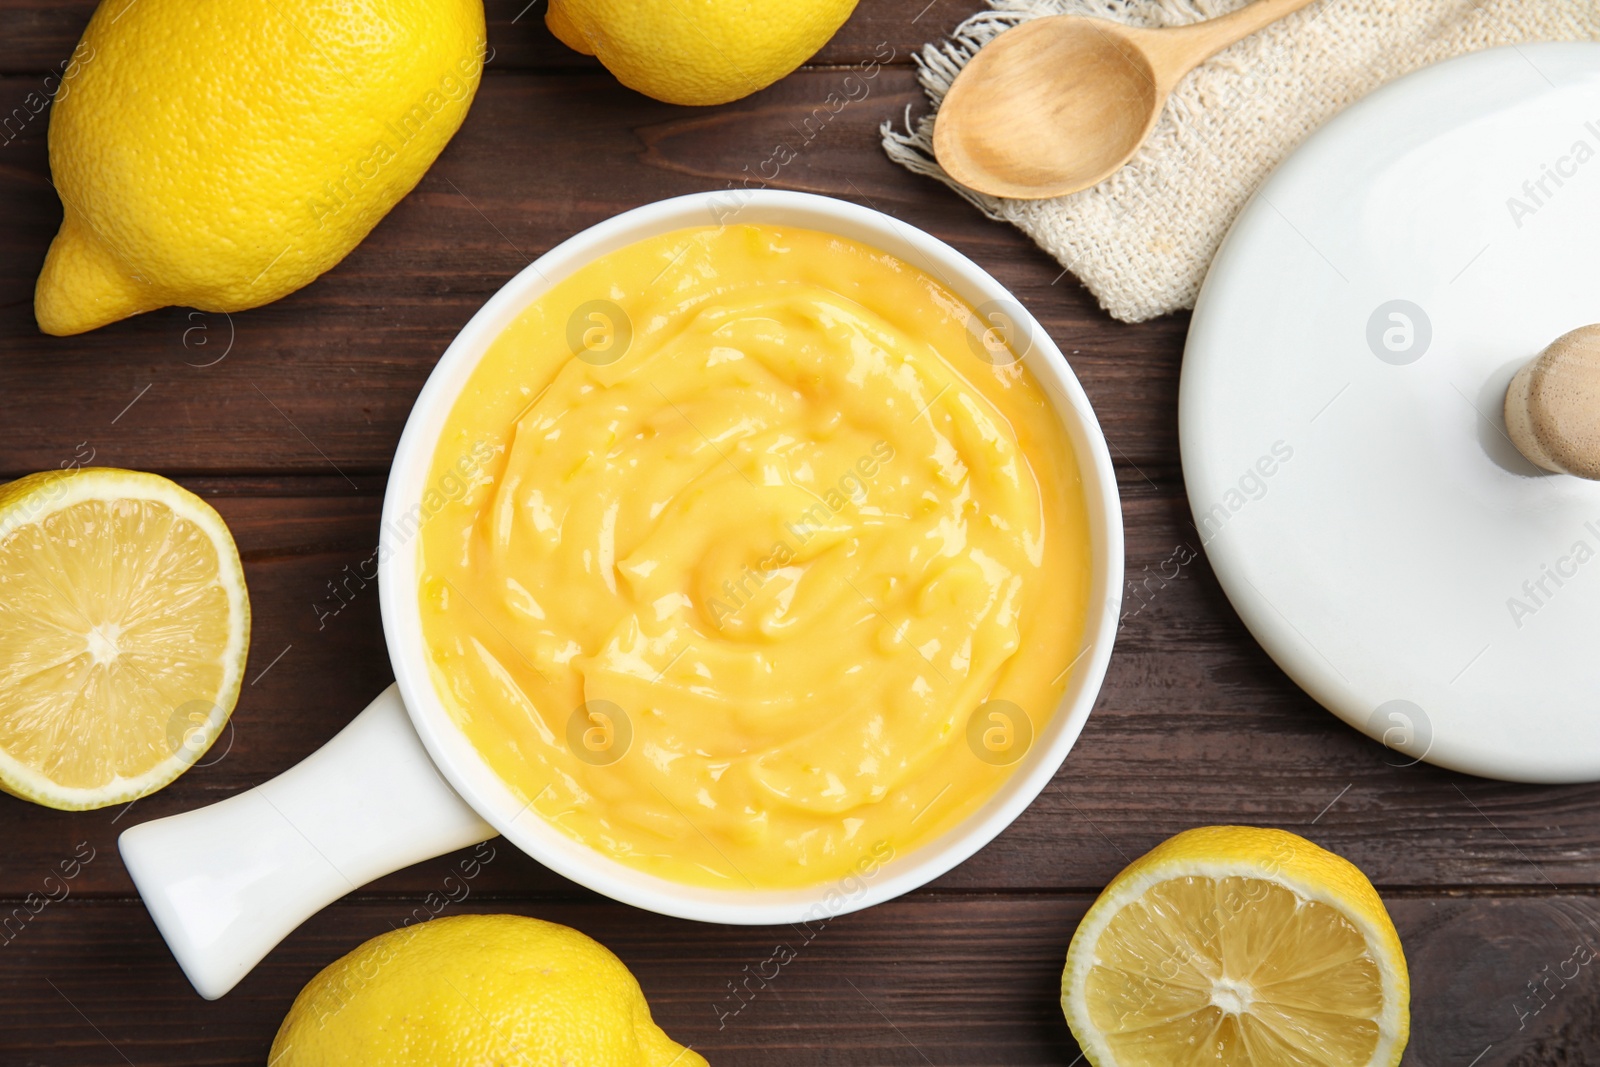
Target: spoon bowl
[1102, 103]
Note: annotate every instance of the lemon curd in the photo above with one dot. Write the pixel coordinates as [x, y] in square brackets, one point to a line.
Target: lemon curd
[746, 564]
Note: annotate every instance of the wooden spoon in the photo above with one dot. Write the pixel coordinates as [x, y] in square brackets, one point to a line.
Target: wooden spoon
[1058, 104]
[1553, 406]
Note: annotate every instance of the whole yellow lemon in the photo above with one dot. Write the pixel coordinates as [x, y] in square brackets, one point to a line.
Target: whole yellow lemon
[478, 989]
[697, 51]
[223, 154]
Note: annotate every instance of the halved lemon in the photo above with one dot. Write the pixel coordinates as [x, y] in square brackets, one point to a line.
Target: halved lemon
[124, 623]
[1233, 946]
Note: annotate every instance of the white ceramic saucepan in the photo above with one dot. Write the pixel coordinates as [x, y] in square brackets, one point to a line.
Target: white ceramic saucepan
[402, 783]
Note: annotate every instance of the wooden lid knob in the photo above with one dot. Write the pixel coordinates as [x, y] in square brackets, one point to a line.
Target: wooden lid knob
[1553, 406]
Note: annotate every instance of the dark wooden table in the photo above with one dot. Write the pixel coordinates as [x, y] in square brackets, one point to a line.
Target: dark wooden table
[286, 418]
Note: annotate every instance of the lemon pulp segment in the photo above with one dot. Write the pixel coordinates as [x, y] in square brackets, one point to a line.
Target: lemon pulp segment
[1169, 991]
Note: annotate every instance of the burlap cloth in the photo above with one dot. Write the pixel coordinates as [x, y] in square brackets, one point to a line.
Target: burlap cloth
[1141, 240]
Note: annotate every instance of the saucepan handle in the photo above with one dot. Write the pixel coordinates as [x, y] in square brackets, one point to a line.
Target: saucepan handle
[226, 883]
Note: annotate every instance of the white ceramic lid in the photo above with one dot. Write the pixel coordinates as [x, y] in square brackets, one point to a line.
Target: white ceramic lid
[1341, 415]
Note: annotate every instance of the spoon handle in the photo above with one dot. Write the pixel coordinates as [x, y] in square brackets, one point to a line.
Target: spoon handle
[1186, 47]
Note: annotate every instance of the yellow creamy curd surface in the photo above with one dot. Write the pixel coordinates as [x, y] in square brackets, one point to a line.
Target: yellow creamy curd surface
[731, 538]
